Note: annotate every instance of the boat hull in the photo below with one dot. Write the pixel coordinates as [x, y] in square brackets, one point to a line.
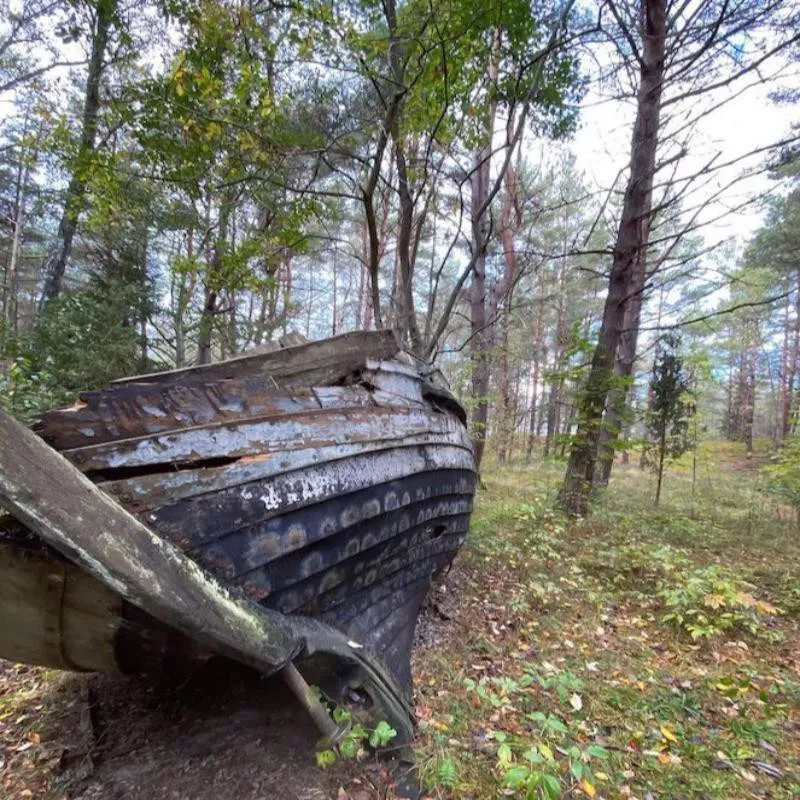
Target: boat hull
[341, 503]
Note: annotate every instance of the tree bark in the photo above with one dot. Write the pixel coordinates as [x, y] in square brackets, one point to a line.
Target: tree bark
[609, 432]
[627, 280]
[56, 264]
[206, 328]
[479, 342]
[510, 220]
[480, 225]
[406, 316]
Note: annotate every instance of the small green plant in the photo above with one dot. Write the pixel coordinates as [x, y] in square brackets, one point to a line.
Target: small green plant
[709, 601]
[447, 773]
[353, 745]
[532, 769]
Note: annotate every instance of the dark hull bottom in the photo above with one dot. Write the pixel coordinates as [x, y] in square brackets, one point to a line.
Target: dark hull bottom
[368, 578]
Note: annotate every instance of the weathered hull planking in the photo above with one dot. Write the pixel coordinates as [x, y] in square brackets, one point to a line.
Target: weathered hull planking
[331, 480]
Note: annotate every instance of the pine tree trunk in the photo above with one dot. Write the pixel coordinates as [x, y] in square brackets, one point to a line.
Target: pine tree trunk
[479, 338]
[662, 449]
[609, 432]
[627, 278]
[509, 219]
[206, 327]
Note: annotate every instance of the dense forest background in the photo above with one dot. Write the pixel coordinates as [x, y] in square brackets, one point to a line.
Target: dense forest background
[183, 181]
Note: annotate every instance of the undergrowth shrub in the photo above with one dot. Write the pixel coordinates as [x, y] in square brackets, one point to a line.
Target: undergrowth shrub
[636, 566]
[708, 601]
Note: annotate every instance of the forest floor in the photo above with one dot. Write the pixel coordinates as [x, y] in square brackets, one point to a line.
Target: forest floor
[549, 666]
[643, 653]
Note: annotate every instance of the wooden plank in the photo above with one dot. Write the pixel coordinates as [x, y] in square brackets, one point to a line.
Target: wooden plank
[55, 614]
[308, 430]
[146, 492]
[133, 411]
[31, 590]
[248, 510]
[314, 364]
[326, 567]
[90, 529]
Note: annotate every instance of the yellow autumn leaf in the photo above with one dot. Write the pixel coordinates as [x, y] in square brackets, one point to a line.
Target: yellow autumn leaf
[745, 599]
[588, 788]
[766, 608]
[668, 734]
[545, 751]
[714, 600]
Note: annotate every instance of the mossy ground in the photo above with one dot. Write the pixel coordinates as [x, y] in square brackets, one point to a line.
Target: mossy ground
[557, 673]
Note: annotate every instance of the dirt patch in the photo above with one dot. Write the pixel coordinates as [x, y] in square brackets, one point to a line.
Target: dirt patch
[224, 732]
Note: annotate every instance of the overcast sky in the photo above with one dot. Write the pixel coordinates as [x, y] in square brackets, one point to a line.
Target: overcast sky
[745, 123]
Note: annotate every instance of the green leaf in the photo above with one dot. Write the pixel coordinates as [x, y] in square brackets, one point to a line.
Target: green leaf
[552, 786]
[325, 758]
[504, 755]
[382, 735]
[595, 751]
[516, 777]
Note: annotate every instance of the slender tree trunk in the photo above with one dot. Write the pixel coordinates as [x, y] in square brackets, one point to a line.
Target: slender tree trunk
[749, 398]
[479, 342]
[538, 358]
[212, 289]
[479, 339]
[510, 219]
[662, 450]
[56, 264]
[10, 315]
[143, 301]
[184, 297]
[791, 349]
[627, 278]
[11, 285]
[532, 415]
[335, 304]
[406, 316]
[609, 432]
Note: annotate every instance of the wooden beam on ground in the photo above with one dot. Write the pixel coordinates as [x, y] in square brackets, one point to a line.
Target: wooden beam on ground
[44, 491]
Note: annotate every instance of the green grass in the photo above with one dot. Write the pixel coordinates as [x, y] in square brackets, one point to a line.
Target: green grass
[641, 652]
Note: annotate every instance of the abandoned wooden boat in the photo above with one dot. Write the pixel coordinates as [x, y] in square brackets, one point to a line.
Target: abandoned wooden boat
[320, 487]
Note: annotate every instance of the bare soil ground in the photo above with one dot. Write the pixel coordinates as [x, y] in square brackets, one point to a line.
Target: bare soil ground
[224, 733]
